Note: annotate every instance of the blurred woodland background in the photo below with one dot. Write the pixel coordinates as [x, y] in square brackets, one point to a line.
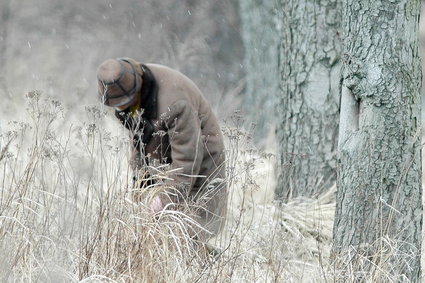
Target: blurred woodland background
[55, 46]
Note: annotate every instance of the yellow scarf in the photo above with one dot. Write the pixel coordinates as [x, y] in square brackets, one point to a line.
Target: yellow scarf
[134, 109]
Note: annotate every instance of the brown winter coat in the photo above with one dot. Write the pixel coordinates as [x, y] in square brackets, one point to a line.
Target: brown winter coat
[180, 129]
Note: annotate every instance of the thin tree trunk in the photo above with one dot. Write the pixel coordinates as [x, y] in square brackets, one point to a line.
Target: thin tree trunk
[309, 101]
[378, 218]
[261, 44]
[4, 21]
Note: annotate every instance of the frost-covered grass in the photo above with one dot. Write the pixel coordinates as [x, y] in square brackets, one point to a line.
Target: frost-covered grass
[67, 213]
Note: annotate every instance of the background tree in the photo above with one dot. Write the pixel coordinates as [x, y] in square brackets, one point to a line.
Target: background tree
[379, 198]
[309, 99]
[4, 21]
[260, 38]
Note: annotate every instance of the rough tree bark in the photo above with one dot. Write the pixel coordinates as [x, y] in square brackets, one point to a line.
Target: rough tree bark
[309, 100]
[379, 208]
[260, 38]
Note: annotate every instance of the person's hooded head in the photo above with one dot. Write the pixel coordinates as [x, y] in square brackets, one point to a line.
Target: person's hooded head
[119, 80]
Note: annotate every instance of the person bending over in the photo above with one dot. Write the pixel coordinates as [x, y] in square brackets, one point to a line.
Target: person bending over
[172, 123]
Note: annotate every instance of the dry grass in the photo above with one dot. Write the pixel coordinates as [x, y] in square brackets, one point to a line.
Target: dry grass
[67, 214]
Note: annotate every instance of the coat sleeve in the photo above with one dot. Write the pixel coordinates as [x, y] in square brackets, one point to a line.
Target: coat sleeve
[184, 132]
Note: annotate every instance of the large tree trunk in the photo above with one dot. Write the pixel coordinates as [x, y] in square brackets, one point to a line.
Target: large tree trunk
[379, 208]
[309, 101]
[261, 44]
